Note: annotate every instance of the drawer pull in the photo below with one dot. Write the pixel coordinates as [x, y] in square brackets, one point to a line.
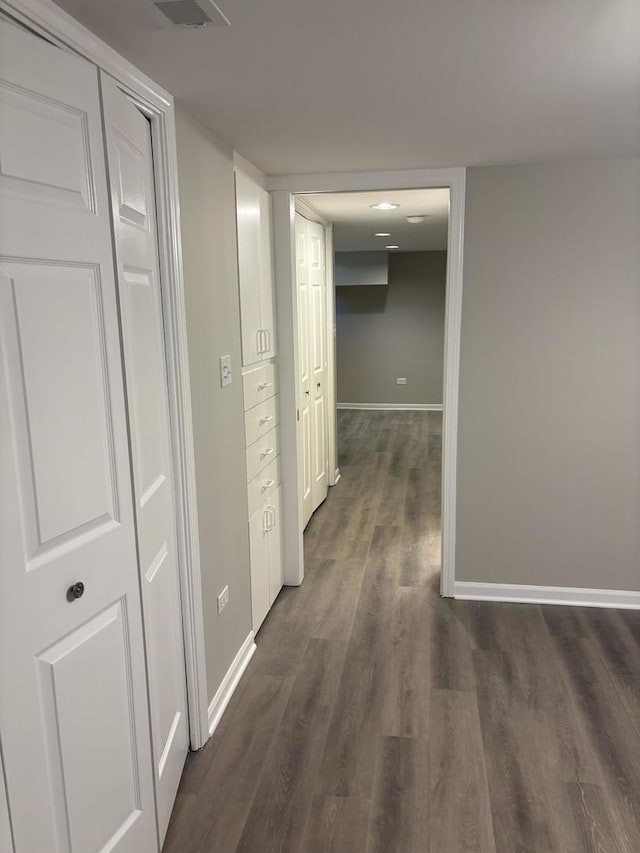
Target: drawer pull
[266, 452]
[267, 485]
[265, 420]
[264, 385]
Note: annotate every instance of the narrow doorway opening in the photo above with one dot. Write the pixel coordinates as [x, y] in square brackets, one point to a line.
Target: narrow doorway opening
[383, 340]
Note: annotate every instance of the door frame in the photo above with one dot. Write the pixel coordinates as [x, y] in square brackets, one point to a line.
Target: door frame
[284, 189]
[51, 22]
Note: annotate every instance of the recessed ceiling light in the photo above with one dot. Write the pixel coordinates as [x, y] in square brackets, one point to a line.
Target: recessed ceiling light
[392, 247]
[382, 234]
[384, 205]
[416, 220]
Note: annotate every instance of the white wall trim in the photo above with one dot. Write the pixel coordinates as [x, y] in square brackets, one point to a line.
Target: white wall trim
[567, 595]
[47, 19]
[230, 682]
[393, 407]
[283, 189]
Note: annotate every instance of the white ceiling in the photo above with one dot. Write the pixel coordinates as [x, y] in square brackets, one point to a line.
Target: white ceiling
[354, 222]
[342, 85]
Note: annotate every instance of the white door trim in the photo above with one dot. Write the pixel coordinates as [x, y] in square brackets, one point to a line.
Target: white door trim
[47, 19]
[284, 188]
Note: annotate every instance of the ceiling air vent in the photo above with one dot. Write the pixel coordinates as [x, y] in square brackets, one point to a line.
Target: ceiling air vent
[192, 13]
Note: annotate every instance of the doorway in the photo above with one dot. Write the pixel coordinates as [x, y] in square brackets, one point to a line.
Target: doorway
[284, 191]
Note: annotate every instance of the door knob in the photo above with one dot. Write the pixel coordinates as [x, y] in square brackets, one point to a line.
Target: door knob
[75, 591]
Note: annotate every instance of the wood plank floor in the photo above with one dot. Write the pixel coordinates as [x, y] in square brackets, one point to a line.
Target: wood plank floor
[376, 717]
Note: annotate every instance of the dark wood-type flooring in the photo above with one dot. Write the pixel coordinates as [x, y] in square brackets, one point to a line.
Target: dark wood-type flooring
[376, 717]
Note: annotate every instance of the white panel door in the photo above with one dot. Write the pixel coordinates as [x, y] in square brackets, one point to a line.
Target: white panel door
[248, 225]
[73, 705]
[304, 375]
[318, 361]
[128, 136]
[267, 295]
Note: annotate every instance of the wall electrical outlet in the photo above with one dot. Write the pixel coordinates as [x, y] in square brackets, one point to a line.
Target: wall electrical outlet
[401, 380]
[225, 370]
[223, 599]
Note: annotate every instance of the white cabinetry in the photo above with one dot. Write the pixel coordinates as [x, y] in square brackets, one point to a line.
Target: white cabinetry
[260, 388]
[265, 541]
[255, 271]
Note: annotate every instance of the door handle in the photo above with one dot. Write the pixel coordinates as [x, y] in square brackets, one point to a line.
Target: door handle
[306, 393]
[267, 336]
[259, 349]
[265, 420]
[266, 452]
[264, 385]
[267, 485]
[268, 519]
[318, 384]
[75, 592]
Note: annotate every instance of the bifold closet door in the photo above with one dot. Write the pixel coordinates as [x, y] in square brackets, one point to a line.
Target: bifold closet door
[312, 362]
[317, 342]
[73, 705]
[304, 372]
[128, 135]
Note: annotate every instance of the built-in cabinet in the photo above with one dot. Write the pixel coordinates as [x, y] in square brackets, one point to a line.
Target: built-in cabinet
[255, 271]
[260, 390]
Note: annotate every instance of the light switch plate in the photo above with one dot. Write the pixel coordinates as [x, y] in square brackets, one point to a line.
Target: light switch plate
[401, 380]
[226, 375]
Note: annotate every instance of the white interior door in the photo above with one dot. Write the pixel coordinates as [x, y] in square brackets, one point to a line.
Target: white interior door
[128, 136]
[317, 339]
[249, 256]
[304, 373]
[73, 705]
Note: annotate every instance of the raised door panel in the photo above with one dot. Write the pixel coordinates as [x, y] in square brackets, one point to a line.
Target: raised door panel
[90, 726]
[248, 229]
[267, 293]
[259, 556]
[133, 204]
[50, 314]
[274, 503]
[73, 706]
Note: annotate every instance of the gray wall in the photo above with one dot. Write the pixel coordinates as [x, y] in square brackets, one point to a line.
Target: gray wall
[207, 207]
[397, 330]
[549, 429]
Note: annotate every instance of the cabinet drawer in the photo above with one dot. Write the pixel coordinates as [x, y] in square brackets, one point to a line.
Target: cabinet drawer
[262, 452]
[260, 419]
[259, 489]
[259, 384]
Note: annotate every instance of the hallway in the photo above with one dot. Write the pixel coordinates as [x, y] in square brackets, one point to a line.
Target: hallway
[376, 716]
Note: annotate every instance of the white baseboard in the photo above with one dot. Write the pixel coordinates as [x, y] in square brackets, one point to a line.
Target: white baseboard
[230, 682]
[393, 407]
[567, 595]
